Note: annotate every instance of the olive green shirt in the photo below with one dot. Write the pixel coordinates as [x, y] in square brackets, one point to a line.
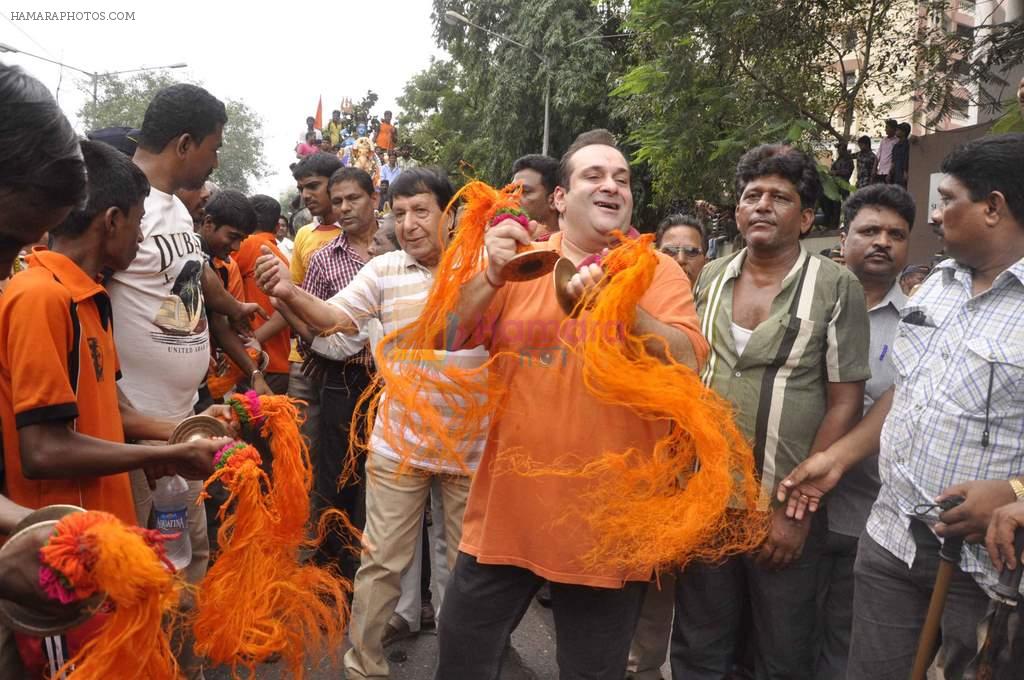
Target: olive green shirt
[816, 333]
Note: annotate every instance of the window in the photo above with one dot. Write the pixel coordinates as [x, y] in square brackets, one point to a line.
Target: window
[967, 6]
[965, 33]
[851, 79]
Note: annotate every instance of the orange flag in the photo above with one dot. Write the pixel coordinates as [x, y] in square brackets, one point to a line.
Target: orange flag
[319, 113]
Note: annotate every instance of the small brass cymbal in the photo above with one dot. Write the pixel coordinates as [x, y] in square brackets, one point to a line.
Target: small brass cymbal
[43, 623]
[45, 514]
[198, 427]
[529, 265]
[563, 273]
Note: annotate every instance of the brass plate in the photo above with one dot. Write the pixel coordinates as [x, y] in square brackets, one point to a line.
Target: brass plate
[563, 273]
[198, 427]
[529, 265]
[40, 623]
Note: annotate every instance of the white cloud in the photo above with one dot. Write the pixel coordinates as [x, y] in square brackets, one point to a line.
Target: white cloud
[277, 57]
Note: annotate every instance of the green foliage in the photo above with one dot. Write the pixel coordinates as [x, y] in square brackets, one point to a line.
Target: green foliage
[1011, 121]
[122, 101]
[485, 107]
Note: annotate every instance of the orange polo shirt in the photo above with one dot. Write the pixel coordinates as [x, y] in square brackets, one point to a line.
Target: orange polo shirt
[231, 275]
[279, 346]
[58, 364]
[551, 416]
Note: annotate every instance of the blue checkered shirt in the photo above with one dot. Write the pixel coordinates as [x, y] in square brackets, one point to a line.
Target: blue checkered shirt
[959, 364]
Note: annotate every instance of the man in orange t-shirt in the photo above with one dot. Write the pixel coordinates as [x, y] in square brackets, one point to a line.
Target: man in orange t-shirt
[273, 335]
[511, 540]
[387, 136]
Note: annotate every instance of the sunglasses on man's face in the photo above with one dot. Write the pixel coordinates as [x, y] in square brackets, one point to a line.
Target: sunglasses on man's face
[687, 251]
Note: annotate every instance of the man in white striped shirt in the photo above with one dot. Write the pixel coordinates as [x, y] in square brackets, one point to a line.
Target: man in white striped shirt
[391, 288]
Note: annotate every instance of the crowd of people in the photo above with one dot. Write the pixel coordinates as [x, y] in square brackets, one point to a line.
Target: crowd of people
[144, 294]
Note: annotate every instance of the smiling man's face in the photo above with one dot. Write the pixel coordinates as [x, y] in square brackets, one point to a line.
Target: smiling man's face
[598, 199]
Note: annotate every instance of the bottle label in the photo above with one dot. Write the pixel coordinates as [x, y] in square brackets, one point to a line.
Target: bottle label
[172, 522]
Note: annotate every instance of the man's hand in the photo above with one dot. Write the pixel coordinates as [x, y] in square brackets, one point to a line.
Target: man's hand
[501, 242]
[194, 459]
[808, 483]
[971, 518]
[243, 312]
[785, 542]
[585, 279]
[19, 575]
[260, 386]
[273, 276]
[1006, 521]
[314, 366]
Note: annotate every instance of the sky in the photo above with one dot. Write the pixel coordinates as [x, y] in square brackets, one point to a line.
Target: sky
[274, 56]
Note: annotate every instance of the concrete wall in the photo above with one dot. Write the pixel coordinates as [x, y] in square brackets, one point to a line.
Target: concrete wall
[926, 154]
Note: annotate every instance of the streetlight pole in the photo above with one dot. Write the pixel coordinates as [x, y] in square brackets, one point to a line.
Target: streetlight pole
[451, 17]
[93, 75]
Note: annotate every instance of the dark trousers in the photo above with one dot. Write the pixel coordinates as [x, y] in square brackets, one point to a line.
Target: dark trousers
[343, 385]
[890, 608]
[707, 633]
[835, 606]
[484, 603]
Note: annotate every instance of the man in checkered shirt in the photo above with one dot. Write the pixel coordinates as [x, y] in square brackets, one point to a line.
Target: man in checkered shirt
[957, 415]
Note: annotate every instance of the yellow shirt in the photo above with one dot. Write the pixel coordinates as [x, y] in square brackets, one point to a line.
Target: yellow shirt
[308, 240]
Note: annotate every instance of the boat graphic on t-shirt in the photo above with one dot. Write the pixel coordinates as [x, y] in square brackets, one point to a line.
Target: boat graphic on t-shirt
[181, 312]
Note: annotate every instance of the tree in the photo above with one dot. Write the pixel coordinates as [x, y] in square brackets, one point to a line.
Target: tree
[716, 78]
[484, 108]
[122, 102]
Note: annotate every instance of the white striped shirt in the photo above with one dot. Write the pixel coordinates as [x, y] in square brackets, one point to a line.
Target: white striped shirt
[393, 288]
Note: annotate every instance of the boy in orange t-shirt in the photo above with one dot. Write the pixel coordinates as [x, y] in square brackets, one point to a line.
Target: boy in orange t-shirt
[64, 426]
[273, 335]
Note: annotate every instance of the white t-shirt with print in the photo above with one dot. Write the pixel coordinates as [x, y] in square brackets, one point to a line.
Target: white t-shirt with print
[159, 315]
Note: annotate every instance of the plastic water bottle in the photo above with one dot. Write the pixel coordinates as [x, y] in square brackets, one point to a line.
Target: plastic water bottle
[170, 505]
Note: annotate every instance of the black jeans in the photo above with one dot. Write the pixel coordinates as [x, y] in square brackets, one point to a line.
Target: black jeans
[343, 385]
[890, 608]
[484, 603]
[707, 633]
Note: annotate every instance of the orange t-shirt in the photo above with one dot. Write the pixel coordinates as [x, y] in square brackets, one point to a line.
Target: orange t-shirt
[58, 363]
[279, 346]
[231, 276]
[550, 415]
[386, 136]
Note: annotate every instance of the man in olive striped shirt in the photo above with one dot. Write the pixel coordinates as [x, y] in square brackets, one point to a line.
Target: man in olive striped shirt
[789, 348]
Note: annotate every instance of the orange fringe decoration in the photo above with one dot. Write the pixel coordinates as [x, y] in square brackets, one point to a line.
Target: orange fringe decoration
[94, 552]
[258, 600]
[412, 368]
[222, 379]
[661, 508]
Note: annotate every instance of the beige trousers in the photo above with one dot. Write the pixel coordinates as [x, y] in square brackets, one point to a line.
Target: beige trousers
[394, 511]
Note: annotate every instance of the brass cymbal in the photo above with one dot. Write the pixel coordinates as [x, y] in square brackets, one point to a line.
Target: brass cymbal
[198, 427]
[40, 623]
[564, 271]
[529, 265]
[45, 514]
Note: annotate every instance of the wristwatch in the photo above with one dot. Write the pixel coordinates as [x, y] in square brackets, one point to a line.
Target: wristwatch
[1018, 488]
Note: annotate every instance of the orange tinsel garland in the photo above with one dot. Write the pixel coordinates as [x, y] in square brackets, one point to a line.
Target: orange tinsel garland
[94, 552]
[666, 507]
[258, 599]
[411, 368]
